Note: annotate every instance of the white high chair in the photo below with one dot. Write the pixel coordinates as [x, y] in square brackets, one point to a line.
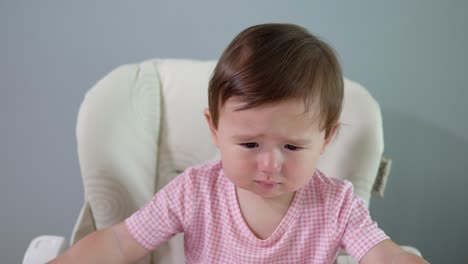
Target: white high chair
[143, 124]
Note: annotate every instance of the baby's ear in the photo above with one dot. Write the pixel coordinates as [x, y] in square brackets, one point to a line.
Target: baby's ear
[209, 121]
[329, 137]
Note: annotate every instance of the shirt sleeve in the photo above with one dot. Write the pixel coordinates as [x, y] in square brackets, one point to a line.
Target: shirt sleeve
[167, 214]
[359, 233]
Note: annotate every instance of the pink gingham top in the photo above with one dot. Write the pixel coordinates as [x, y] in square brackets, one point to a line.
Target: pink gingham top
[324, 216]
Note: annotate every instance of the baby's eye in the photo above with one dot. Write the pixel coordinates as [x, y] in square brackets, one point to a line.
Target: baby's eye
[249, 145]
[291, 147]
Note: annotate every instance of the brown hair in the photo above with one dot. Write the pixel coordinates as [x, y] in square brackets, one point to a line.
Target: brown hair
[272, 62]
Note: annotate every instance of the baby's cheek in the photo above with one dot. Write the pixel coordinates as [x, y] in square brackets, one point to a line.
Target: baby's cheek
[300, 160]
[305, 166]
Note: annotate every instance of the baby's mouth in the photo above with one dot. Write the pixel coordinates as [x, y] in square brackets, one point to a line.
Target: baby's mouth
[267, 184]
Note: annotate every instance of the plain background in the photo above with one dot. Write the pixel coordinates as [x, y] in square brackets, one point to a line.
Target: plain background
[411, 55]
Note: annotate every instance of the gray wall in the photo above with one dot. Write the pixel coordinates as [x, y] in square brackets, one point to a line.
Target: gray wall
[411, 55]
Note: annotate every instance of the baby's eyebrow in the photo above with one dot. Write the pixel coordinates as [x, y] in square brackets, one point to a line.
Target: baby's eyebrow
[247, 137]
[298, 141]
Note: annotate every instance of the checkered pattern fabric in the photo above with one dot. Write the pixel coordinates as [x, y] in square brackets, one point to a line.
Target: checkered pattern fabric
[324, 217]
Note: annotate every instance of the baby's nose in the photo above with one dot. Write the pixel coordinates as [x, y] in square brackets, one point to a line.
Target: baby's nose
[270, 162]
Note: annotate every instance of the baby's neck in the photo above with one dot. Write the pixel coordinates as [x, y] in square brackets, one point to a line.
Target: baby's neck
[263, 215]
[283, 201]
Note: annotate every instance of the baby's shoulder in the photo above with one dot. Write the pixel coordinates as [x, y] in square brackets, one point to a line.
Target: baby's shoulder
[324, 181]
[329, 189]
[203, 175]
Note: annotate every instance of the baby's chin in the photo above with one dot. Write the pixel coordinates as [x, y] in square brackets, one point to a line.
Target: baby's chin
[276, 193]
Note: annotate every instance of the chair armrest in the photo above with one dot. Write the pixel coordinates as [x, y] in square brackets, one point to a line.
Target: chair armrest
[43, 249]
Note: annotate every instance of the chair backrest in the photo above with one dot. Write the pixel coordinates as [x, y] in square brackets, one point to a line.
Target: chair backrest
[143, 124]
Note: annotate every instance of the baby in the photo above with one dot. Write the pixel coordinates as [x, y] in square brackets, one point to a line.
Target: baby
[275, 99]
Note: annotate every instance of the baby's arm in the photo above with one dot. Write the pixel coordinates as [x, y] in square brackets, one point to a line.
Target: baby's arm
[111, 245]
[389, 252]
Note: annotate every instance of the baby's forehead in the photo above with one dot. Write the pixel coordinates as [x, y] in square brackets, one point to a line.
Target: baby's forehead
[300, 107]
[291, 108]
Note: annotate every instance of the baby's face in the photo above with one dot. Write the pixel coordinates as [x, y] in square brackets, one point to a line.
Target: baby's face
[269, 150]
